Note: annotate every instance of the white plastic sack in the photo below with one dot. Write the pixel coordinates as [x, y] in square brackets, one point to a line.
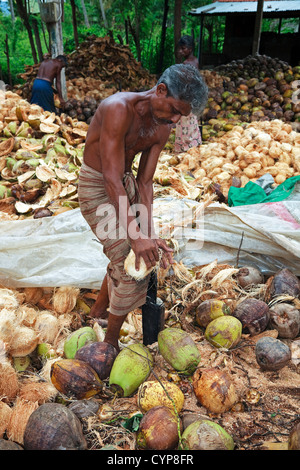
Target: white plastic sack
[62, 250]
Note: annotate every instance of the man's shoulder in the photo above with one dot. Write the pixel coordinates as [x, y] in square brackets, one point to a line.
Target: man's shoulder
[119, 102]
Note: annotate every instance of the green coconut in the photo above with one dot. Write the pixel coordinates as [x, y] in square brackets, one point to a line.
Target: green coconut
[179, 350]
[130, 369]
[224, 332]
[205, 434]
[77, 340]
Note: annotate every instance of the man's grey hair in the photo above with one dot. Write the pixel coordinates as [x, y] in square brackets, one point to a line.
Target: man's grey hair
[184, 82]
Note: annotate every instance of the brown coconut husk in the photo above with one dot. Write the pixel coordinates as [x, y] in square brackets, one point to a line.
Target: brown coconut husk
[27, 315]
[8, 323]
[8, 299]
[21, 412]
[37, 391]
[23, 342]
[9, 384]
[5, 415]
[33, 294]
[64, 299]
[46, 326]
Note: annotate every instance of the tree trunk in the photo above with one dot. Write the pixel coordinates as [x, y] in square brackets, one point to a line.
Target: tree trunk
[74, 22]
[134, 33]
[23, 14]
[257, 27]
[86, 19]
[160, 60]
[103, 14]
[137, 30]
[35, 28]
[12, 12]
[7, 60]
[177, 26]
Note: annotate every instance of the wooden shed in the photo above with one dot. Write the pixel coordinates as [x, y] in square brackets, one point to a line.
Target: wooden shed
[239, 30]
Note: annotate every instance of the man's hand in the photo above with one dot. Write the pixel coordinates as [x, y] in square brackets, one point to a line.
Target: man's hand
[167, 255]
[148, 250]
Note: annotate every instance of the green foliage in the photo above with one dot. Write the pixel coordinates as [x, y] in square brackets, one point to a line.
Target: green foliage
[145, 17]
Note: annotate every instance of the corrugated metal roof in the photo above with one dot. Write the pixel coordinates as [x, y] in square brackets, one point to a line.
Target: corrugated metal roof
[223, 8]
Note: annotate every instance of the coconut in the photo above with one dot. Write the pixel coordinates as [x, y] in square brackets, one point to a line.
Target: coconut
[23, 342]
[248, 275]
[100, 356]
[285, 318]
[77, 339]
[130, 369]
[47, 327]
[159, 429]
[9, 445]
[179, 350]
[54, 427]
[214, 390]
[224, 332]
[253, 314]
[75, 378]
[85, 408]
[205, 434]
[46, 351]
[153, 393]
[272, 354]
[64, 299]
[5, 415]
[129, 266]
[294, 438]
[9, 384]
[284, 282]
[209, 310]
[21, 363]
[21, 412]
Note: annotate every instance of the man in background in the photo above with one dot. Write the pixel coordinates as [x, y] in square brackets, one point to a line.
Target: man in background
[42, 90]
[187, 132]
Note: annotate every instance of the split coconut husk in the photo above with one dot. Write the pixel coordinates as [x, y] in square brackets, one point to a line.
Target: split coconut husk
[46, 326]
[23, 342]
[64, 299]
[21, 412]
[9, 384]
[37, 391]
[5, 416]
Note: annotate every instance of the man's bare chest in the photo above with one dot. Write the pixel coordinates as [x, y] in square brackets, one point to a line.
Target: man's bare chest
[141, 139]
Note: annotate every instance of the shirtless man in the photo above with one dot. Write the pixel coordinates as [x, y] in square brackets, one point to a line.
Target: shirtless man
[42, 91]
[123, 126]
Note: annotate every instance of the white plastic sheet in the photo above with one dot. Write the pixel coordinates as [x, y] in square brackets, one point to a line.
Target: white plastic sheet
[62, 250]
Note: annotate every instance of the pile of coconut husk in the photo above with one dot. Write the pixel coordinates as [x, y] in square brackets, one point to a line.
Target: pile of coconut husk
[102, 63]
[241, 155]
[36, 323]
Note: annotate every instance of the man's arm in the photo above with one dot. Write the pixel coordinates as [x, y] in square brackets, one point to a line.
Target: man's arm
[146, 170]
[58, 87]
[116, 120]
